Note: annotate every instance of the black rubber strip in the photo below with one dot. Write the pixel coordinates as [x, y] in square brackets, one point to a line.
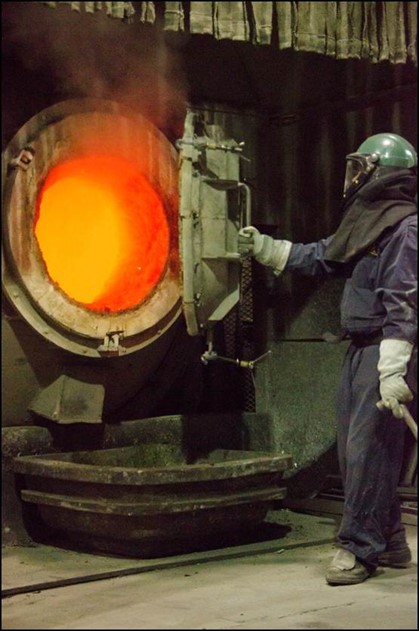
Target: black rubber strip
[39, 587]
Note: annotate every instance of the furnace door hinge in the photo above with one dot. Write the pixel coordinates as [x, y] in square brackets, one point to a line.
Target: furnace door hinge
[23, 159]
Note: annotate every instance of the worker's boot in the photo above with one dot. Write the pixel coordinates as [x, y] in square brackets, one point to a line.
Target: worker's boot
[396, 557]
[345, 569]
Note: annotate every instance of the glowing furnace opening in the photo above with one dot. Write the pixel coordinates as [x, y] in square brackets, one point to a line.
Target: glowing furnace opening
[102, 231]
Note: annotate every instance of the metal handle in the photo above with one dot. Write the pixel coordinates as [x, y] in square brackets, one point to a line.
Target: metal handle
[248, 206]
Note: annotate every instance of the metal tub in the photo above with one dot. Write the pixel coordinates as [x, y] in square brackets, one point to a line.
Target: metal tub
[151, 499]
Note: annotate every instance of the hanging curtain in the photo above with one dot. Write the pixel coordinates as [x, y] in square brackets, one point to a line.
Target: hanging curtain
[377, 31]
[174, 16]
[262, 13]
[369, 39]
[222, 20]
[148, 11]
[201, 18]
[286, 13]
[392, 33]
[231, 21]
[411, 27]
[121, 10]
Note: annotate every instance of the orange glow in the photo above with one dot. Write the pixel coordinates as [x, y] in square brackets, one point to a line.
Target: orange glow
[102, 231]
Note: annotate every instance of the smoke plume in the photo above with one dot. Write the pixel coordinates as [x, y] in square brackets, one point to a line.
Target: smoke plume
[93, 55]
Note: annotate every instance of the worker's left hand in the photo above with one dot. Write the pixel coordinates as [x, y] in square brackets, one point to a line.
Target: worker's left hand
[394, 391]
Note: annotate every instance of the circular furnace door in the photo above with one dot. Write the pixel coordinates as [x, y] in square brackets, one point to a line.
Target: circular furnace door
[90, 227]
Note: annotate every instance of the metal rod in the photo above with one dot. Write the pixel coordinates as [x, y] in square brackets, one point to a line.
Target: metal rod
[410, 421]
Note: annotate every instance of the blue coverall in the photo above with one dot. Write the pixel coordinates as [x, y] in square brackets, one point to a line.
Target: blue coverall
[379, 300]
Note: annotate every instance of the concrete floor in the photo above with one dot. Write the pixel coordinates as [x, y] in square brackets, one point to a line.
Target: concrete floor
[271, 584]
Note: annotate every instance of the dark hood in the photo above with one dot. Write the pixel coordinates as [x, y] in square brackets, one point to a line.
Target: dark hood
[378, 205]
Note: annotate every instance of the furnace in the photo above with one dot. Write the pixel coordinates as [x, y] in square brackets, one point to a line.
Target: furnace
[113, 236]
[91, 228]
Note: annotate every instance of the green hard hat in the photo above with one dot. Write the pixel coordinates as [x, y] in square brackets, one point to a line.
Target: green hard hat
[392, 150]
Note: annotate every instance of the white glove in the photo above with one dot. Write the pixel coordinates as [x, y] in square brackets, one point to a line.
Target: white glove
[266, 250]
[392, 366]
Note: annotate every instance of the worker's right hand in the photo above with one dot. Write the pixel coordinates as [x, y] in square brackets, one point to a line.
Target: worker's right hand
[250, 241]
[266, 250]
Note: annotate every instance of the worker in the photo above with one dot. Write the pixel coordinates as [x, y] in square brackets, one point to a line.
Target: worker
[375, 249]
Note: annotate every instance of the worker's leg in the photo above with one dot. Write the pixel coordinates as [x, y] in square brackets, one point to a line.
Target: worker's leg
[370, 447]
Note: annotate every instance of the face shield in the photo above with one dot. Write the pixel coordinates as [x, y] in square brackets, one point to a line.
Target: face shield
[359, 168]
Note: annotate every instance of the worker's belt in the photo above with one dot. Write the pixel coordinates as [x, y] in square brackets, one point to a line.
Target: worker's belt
[360, 340]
